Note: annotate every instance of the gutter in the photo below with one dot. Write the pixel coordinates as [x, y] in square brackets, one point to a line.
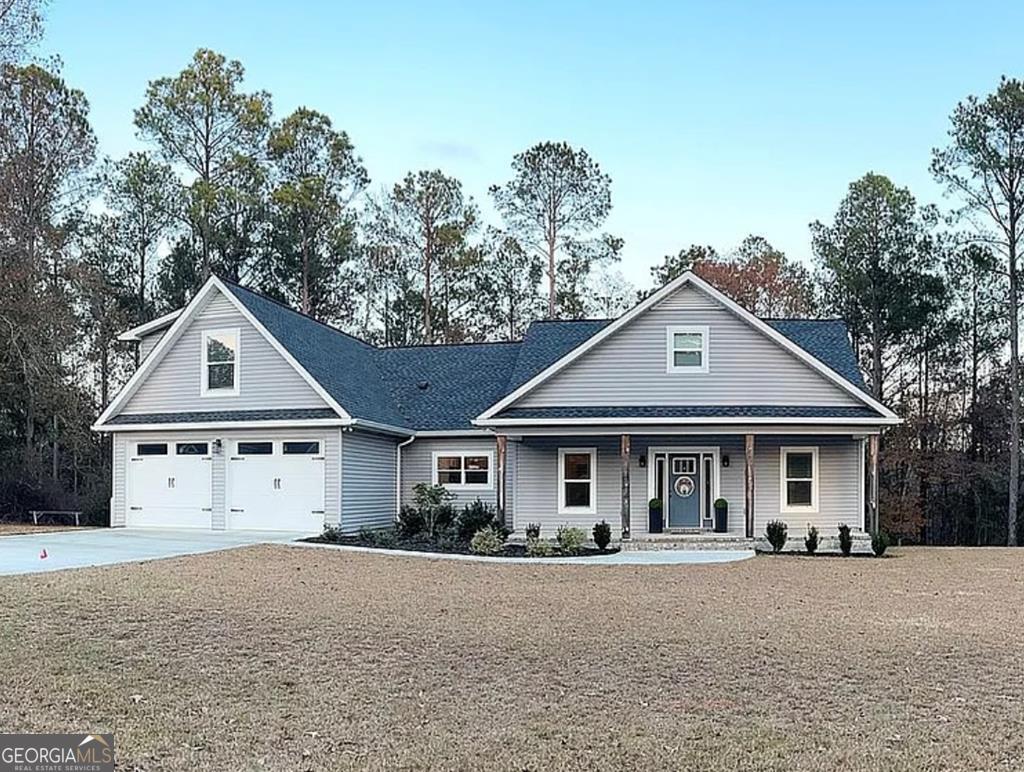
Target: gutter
[398, 474]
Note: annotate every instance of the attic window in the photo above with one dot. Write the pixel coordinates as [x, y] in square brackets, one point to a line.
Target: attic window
[686, 349]
[220, 363]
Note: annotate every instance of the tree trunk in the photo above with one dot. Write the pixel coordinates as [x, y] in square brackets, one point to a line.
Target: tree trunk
[305, 276]
[428, 258]
[1011, 516]
[551, 278]
[624, 455]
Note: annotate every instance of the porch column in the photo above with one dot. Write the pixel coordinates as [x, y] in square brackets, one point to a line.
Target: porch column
[501, 442]
[624, 455]
[748, 503]
[872, 483]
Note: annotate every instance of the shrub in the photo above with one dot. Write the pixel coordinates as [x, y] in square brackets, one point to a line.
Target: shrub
[655, 504]
[538, 548]
[602, 535]
[410, 522]
[433, 503]
[332, 533]
[570, 540]
[721, 503]
[487, 541]
[532, 531]
[879, 543]
[473, 518]
[845, 540]
[775, 531]
[811, 542]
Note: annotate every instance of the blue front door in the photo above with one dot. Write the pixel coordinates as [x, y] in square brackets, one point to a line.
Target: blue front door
[684, 491]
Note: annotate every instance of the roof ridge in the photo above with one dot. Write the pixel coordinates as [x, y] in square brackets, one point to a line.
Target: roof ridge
[518, 342]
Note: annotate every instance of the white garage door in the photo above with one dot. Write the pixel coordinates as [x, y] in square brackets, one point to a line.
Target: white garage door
[276, 485]
[169, 484]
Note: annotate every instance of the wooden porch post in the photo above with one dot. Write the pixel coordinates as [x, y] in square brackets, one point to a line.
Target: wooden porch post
[502, 447]
[624, 454]
[748, 504]
[872, 483]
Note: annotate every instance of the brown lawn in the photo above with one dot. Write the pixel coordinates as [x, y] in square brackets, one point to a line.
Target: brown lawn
[15, 529]
[282, 658]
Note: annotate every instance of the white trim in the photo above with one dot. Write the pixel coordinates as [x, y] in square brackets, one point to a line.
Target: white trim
[705, 420]
[862, 448]
[240, 425]
[670, 348]
[148, 328]
[453, 433]
[703, 429]
[204, 375]
[463, 453]
[687, 278]
[361, 423]
[784, 507]
[171, 336]
[567, 510]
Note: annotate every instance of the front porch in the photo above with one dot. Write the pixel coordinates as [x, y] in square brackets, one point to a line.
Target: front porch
[821, 477]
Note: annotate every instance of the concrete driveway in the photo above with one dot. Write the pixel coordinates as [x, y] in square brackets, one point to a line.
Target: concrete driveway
[22, 554]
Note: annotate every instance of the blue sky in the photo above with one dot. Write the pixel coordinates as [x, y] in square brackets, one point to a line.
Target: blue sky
[714, 120]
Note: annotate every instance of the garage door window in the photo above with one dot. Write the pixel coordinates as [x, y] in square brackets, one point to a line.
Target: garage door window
[152, 449]
[255, 448]
[301, 448]
[192, 448]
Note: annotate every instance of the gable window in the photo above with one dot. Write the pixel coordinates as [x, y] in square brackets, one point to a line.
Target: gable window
[799, 484]
[687, 349]
[466, 470]
[220, 363]
[577, 478]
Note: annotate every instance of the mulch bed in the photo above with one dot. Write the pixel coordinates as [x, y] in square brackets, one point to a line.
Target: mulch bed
[423, 545]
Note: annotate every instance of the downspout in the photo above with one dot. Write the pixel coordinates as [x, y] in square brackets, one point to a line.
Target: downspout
[398, 474]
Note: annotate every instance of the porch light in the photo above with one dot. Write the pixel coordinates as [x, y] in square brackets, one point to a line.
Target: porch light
[642, 460]
[217, 446]
[725, 460]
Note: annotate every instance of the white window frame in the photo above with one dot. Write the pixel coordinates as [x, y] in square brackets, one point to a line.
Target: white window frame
[463, 486]
[670, 349]
[204, 377]
[567, 510]
[784, 506]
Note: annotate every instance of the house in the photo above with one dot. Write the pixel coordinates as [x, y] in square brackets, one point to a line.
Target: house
[246, 414]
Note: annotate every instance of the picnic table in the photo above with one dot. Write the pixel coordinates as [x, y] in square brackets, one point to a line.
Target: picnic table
[37, 512]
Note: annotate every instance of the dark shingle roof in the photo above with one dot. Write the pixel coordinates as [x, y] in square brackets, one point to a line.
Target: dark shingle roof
[446, 387]
[690, 411]
[825, 339]
[290, 414]
[346, 367]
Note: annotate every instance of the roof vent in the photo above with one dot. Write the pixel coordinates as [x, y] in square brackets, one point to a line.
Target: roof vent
[423, 385]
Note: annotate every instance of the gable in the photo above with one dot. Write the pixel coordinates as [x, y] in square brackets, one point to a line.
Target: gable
[745, 367]
[266, 379]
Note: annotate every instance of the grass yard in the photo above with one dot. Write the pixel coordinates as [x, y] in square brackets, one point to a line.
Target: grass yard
[279, 658]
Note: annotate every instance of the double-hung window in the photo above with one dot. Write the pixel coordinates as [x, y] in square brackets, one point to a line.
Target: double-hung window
[686, 349]
[799, 484]
[577, 481]
[220, 363]
[458, 470]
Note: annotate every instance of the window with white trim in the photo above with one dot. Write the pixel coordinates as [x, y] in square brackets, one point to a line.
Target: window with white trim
[686, 349]
[220, 363]
[799, 483]
[463, 470]
[577, 481]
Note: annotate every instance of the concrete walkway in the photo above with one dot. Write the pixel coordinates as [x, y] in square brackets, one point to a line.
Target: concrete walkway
[22, 554]
[630, 558]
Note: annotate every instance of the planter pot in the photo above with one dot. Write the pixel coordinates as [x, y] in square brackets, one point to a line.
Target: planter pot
[722, 518]
[655, 520]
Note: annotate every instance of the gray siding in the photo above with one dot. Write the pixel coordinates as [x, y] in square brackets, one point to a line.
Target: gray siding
[417, 465]
[332, 465]
[745, 366]
[368, 481]
[148, 343]
[266, 380]
[534, 478]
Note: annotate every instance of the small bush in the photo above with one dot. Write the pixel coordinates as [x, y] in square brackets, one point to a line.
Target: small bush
[538, 548]
[487, 541]
[332, 533]
[410, 522]
[473, 518]
[602, 535]
[532, 531]
[433, 503]
[379, 537]
[811, 542]
[845, 539]
[570, 540]
[721, 503]
[775, 532]
[655, 504]
[879, 543]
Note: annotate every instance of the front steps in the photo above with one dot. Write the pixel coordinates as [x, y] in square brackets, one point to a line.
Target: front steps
[686, 541]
